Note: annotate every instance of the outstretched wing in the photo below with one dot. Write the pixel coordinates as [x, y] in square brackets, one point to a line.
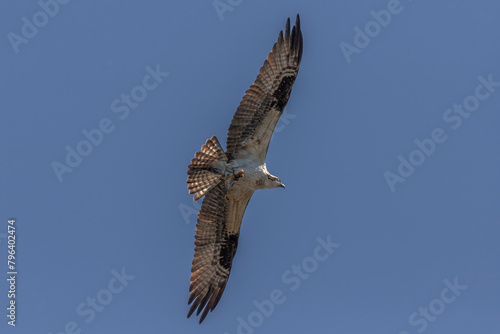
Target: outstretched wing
[255, 119]
[216, 241]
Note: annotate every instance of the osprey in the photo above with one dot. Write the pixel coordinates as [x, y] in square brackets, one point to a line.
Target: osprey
[228, 179]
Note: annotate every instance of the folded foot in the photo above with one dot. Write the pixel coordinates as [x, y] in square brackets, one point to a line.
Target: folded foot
[239, 174]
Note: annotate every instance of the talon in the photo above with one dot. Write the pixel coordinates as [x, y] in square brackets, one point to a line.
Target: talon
[239, 174]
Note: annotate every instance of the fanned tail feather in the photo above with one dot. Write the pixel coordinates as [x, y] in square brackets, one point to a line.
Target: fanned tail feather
[203, 174]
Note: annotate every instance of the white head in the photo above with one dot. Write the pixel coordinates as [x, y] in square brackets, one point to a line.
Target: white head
[273, 182]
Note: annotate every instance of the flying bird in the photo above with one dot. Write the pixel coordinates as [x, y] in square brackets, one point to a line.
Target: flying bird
[229, 178]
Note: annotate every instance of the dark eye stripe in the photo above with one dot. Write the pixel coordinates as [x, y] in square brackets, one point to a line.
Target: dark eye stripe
[273, 178]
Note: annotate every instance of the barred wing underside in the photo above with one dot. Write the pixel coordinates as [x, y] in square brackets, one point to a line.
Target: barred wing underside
[216, 241]
[263, 103]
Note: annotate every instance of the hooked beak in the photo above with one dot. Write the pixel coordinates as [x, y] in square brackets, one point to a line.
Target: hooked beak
[282, 185]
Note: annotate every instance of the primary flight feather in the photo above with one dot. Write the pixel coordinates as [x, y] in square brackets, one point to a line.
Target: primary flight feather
[228, 179]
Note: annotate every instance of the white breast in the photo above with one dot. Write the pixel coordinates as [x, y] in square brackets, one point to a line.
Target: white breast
[255, 173]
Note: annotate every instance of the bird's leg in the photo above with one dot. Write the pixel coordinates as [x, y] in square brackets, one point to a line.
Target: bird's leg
[239, 174]
[234, 176]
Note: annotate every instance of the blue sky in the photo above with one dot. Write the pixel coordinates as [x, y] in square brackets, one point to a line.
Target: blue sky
[389, 150]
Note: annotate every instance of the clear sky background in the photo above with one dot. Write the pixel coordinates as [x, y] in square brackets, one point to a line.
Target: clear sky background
[352, 120]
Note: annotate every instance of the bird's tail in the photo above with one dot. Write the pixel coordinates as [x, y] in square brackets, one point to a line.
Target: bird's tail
[207, 168]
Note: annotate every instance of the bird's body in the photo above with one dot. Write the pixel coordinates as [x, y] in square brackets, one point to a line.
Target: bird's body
[229, 178]
[255, 174]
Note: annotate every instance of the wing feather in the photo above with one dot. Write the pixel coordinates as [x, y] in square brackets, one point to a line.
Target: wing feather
[216, 241]
[263, 103]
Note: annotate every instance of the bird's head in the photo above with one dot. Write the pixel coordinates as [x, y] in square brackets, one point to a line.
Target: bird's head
[275, 182]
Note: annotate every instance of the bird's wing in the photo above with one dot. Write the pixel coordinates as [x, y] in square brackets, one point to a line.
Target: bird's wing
[255, 119]
[216, 240]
